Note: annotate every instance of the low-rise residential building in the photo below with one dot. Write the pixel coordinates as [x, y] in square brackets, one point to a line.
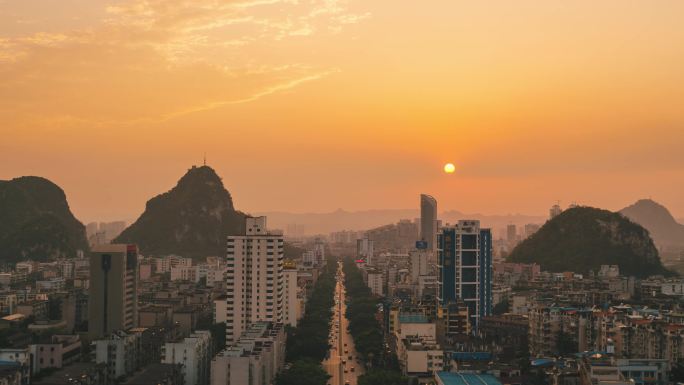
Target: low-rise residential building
[419, 356]
[10, 373]
[52, 284]
[601, 370]
[154, 315]
[194, 354]
[185, 273]
[8, 303]
[415, 324]
[508, 329]
[215, 274]
[63, 350]
[254, 359]
[119, 352]
[13, 277]
[557, 330]
[22, 358]
[37, 309]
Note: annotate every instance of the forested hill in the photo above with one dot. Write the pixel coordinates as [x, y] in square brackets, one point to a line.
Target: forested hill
[583, 238]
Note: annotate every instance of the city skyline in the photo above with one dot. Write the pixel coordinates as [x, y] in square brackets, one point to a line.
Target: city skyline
[130, 215]
[341, 192]
[528, 106]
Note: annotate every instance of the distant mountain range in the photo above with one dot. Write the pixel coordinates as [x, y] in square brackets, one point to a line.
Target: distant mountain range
[192, 219]
[664, 229]
[584, 238]
[666, 232]
[36, 222]
[323, 223]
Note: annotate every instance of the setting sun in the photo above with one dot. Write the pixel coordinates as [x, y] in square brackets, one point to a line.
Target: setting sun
[449, 168]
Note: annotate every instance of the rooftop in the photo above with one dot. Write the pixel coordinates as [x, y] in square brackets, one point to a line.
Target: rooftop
[14, 317]
[448, 378]
[413, 318]
[471, 356]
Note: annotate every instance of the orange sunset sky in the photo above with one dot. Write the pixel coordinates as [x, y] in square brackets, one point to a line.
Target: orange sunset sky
[312, 105]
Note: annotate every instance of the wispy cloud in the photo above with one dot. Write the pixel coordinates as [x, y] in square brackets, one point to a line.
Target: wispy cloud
[151, 60]
[254, 97]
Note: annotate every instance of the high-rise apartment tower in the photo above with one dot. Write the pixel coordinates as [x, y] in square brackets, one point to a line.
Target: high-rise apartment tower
[465, 268]
[113, 292]
[254, 279]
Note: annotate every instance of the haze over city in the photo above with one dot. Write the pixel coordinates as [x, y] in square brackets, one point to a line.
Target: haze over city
[341, 192]
[346, 104]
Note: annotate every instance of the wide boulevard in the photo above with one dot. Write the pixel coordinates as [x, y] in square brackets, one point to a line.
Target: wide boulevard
[342, 363]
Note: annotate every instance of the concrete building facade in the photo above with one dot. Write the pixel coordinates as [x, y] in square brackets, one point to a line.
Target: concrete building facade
[428, 220]
[254, 359]
[113, 292]
[465, 268]
[194, 354]
[254, 279]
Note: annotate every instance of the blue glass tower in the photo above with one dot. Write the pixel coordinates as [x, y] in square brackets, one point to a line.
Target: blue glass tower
[465, 268]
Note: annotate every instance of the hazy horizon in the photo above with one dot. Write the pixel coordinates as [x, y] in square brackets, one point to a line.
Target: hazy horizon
[132, 214]
[311, 106]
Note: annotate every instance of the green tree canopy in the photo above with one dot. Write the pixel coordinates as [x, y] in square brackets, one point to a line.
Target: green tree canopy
[303, 372]
[383, 377]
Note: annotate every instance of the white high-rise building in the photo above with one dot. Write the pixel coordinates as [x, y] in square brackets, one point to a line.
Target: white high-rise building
[194, 353]
[254, 279]
[292, 302]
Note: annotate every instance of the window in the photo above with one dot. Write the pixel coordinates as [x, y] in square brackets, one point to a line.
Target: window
[468, 258]
[469, 241]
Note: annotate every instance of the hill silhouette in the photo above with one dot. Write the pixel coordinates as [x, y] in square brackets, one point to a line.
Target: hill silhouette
[583, 238]
[192, 219]
[656, 218]
[36, 222]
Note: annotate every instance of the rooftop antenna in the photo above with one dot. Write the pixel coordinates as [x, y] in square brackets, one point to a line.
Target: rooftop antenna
[205, 158]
